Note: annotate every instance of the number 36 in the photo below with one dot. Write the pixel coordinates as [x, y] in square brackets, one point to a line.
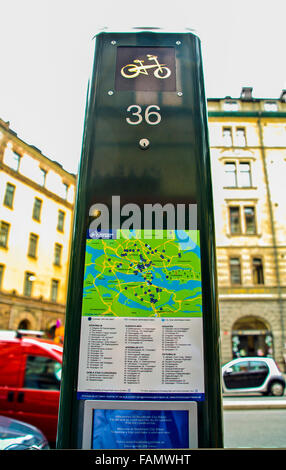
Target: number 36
[151, 117]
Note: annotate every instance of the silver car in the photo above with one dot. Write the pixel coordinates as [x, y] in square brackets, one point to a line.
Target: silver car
[17, 435]
[253, 375]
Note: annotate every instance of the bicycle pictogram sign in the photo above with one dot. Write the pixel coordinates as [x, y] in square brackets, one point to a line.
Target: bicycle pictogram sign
[138, 67]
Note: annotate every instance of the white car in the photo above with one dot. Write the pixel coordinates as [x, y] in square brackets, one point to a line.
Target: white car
[17, 435]
[252, 375]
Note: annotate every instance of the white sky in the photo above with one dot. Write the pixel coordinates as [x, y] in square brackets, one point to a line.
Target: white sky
[46, 48]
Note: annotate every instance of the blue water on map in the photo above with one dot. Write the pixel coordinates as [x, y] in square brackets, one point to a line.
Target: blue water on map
[186, 243]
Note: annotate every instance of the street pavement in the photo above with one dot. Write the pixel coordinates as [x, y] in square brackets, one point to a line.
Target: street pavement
[255, 422]
[254, 429]
[253, 402]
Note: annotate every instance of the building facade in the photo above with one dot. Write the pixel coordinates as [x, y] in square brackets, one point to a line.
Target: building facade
[248, 154]
[248, 157]
[36, 212]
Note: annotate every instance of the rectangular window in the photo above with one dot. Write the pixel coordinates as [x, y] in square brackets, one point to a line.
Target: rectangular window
[257, 269]
[270, 106]
[1, 274]
[244, 176]
[230, 173]
[237, 174]
[4, 233]
[37, 209]
[33, 243]
[234, 219]
[66, 189]
[227, 136]
[230, 106]
[61, 220]
[28, 283]
[54, 290]
[9, 195]
[249, 217]
[14, 161]
[42, 373]
[57, 254]
[240, 137]
[235, 271]
[43, 174]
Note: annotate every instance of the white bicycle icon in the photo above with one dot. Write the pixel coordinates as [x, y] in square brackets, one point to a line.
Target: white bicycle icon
[133, 70]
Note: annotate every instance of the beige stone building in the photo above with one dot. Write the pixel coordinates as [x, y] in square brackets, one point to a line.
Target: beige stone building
[248, 154]
[36, 211]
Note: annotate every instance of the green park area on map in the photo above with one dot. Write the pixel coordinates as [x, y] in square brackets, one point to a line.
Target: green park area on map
[135, 277]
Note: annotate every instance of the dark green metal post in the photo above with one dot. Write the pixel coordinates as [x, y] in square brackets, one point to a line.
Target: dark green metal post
[173, 168]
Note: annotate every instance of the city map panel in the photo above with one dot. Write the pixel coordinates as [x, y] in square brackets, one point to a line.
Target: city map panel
[134, 275]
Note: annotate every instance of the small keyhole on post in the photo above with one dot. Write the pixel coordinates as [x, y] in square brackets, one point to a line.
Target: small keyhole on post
[144, 144]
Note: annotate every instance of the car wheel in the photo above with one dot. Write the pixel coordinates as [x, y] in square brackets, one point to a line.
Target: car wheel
[276, 389]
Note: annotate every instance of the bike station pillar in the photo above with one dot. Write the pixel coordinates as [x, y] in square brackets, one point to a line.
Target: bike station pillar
[141, 365]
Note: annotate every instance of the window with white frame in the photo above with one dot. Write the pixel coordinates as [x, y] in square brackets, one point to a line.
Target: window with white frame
[12, 158]
[227, 136]
[270, 106]
[230, 105]
[249, 220]
[2, 267]
[234, 220]
[57, 254]
[37, 207]
[54, 290]
[237, 174]
[33, 245]
[242, 219]
[235, 270]
[9, 195]
[240, 137]
[4, 234]
[28, 283]
[61, 221]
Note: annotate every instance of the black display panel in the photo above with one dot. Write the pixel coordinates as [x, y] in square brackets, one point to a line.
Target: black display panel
[145, 69]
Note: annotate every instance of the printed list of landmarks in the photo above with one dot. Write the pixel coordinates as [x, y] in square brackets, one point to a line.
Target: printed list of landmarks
[141, 355]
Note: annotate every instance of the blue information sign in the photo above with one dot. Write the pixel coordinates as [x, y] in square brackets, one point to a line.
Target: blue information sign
[140, 429]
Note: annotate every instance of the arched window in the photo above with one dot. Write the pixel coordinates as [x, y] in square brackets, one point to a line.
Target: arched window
[251, 336]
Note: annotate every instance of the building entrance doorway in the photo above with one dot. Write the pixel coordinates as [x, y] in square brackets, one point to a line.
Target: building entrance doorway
[24, 325]
[251, 336]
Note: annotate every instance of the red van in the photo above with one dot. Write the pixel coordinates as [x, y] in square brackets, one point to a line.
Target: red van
[30, 375]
